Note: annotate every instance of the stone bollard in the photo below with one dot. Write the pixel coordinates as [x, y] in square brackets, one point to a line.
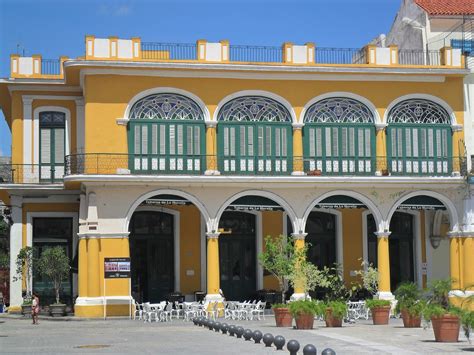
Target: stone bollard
[279, 342]
[257, 336]
[328, 351]
[239, 331]
[224, 328]
[268, 339]
[217, 327]
[247, 334]
[293, 346]
[232, 330]
[309, 349]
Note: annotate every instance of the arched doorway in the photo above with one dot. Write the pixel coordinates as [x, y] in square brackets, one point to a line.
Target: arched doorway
[152, 255]
[402, 245]
[321, 229]
[237, 259]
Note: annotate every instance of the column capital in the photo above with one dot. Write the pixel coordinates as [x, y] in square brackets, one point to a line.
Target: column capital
[297, 125]
[80, 102]
[299, 236]
[211, 124]
[380, 126]
[27, 99]
[456, 127]
[212, 235]
[384, 234]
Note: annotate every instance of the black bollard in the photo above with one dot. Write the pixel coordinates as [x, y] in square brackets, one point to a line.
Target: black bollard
[239, 331]
[224, 328]
[328, 351]
[309, 349]
[293, 346]
[279, 342]
[232, 330]
[247, 334]
[268, 339]
[257, 336]
[210, 325]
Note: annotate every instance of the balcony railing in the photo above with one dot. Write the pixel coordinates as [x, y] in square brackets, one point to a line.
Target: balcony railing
[50, 67]
[127, 164]
[256, 54]
[418, 57]
[340, 56]
[168, 51]
[31, 174]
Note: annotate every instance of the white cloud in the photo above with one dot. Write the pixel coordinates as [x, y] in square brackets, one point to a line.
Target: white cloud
[114, 9]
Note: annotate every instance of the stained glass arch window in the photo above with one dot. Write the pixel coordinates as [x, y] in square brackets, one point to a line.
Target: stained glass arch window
[166, 106]
[254, 109]
[418, 111]
[338, 110]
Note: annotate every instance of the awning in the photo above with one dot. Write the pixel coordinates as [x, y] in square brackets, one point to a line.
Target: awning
[340, 201]
[422, 203]
[254, 203]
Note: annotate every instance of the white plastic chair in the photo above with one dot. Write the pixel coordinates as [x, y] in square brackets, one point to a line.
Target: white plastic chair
[165, 314]
[138, 311]
[149, 313]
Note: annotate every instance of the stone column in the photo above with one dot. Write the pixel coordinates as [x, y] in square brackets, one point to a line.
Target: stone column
[82, 250]
[93, 269]
[380, 149]
[383, 265]
[213, 273]
[299, 239]
[298, 163]
[211, 149]
[468, 261]
[454, 261]
[16, 243]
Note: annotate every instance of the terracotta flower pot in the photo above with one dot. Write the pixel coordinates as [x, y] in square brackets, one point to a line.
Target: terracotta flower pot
[380, 315]
[26, 310]
[446, 328]
[283, 317]
[410, 321]
[57, 309]
[332, 321]
[304, 321]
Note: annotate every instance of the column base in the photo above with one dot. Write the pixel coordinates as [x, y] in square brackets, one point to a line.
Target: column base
[385, 295]
[212, 173]
[93, 307]
[213, 297]
[299, 297]
[298, 173]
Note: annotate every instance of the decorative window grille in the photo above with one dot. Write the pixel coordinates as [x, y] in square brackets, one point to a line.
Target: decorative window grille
[254, 109]
[418, 111]
[338, 110]
[166, 107]
[339, 137]
[419, 139]
[254, 137]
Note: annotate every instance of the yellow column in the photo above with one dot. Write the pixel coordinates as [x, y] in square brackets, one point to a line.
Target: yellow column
[380, 149]
[299, 245]
[82, 272]
[383, 264]
[454, 260]
[93, 274]
[298, 166]
[211, 144]
[468, 262]
[213, 274]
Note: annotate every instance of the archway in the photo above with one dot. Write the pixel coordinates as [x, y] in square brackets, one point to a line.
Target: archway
[163, 227]
[243, 221]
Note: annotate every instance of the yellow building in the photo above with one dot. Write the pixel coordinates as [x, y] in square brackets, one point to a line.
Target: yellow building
[184, 157]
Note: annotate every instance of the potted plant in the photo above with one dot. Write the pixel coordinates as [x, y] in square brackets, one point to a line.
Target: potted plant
[304, 311]
[444, 317]
[24, 271]
[467, 317]
[409, 304]
[315, 172]
[334, 313]
[277, 259]
[380, 309]
[54, 264]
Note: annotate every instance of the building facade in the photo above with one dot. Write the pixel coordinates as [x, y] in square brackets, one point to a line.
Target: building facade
[184, 157]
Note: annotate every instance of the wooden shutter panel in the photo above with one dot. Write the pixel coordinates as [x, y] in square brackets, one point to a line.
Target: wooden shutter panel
[45, 146]
[312, 143]
[260, 141]
[189, 140]
[197, 140]
[180, 139]
[137, 135]
[243, 145]
[226, 140]
[154, 139]
[277, 142]
[393, 138]
[268, 140]
[344, 142]
[172, 139]
[327, 135]
[415, 142]
[351, 141]
[360, 142]
[408, 143]
[232, 141]
[368, 143]
[284, 142]
[250, 140]
[59, 145]
[319, 142]
[335, 141]
[162, 139]
[144, 142]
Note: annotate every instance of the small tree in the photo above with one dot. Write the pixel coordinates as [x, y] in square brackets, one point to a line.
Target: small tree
[369, 276]
[277, 259]
[24, 268]
[54, 264]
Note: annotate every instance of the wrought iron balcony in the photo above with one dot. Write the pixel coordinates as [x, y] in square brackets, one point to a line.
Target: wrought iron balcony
[31, 174]
[50, 67]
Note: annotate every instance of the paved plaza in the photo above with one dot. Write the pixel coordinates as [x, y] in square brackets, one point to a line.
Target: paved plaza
[123, 336]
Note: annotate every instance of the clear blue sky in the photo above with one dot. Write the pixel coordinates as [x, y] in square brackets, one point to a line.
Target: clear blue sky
[57, 27]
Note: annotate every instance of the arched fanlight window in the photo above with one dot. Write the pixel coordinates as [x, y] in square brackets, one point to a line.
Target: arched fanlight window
[167, 135]
[339, 137]
[254, 136]
[166, 107]
[254, 109]
[52, 143]
[419, 138]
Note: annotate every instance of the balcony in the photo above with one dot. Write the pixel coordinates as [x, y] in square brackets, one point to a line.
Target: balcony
[31, 174]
